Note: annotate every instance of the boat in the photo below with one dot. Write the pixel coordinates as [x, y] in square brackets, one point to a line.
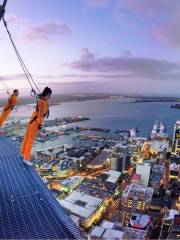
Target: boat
[162, 128]
[75, 136]
[159, 129]
[177, 106]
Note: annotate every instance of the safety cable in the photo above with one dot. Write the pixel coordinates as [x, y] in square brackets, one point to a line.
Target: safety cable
[23, 65]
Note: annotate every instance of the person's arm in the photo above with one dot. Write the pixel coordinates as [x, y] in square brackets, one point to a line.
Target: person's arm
[12, 101]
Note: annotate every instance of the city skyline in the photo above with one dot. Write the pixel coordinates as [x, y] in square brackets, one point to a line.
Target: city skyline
[94, 46]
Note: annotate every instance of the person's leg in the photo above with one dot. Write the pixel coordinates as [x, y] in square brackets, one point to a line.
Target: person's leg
[29, 145]
[24, 144]
[29, 140]
[4, 116]
[25, 141]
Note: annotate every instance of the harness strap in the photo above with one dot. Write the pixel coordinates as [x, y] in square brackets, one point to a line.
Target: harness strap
[10, 107]
[34, 118]
[46, 115]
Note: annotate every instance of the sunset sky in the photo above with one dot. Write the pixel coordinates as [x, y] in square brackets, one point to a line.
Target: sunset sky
[121, 46]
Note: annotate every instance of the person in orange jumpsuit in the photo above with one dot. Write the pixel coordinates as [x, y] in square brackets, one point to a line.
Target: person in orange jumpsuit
[12, 101]
[35, 124]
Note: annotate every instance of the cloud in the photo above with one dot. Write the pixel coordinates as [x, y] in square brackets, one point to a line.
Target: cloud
[44, 31]
[98, 3]
[11, 77]
[12, 19]
[126, 53]
[112, 40]
[74, 86]
[127, 66]
[53, 78]
[81, 76]
[71, 83]
[168, 33]
[159, 19]
[148, 8]
[47, 31]
[107, 82]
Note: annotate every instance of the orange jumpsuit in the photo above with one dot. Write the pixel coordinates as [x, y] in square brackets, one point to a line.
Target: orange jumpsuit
[7, 109]
[35, 122]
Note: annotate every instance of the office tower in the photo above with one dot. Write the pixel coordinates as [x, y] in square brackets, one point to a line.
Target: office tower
[176, 138]
[138, 227]
[143, 169]
[120, 162]
[135, 198]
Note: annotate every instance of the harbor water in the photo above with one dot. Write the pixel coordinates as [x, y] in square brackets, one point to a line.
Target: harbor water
[113, 114]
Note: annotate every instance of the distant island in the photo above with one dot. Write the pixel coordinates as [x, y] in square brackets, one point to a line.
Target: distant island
[58, 99]
[156, 99]
[66, 98]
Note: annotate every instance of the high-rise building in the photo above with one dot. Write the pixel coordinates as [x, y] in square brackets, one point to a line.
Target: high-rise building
[174, 171]
[176, 138]
[120, 162]
[170, 228]
[143, 169]
[166, 174]
[146, 150]
[135, 198]
[156, 177]
[174, 232]
[138, 227]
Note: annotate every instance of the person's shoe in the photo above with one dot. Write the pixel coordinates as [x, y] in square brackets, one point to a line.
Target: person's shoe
[29, 163]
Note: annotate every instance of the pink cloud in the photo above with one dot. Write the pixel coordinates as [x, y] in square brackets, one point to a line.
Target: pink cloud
[86, 54]
[47, 31]
[168, 33]
[12, 77]
[147, 8]
[127, 66]
[12, 19]
[98, 3]
[162, 17]
[111, 40]
[126, 53]
[150, 8]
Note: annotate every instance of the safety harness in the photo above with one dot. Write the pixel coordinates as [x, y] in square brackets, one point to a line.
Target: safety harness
[10, 107]
[46, 115]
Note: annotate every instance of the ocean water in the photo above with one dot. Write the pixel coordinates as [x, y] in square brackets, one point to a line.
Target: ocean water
[113, 114]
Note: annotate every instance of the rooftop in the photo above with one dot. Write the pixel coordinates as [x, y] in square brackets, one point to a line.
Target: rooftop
[97, 187]
[138, 190]
[170, 214]
[81, 204]
[101, 158]
[28, 209]
[143, 169]
[107, 232]
[113, 176]
[71, 180]
[139, 221]
[174, 167]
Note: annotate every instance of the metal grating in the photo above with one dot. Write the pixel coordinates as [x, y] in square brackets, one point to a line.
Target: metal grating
[28, 210]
